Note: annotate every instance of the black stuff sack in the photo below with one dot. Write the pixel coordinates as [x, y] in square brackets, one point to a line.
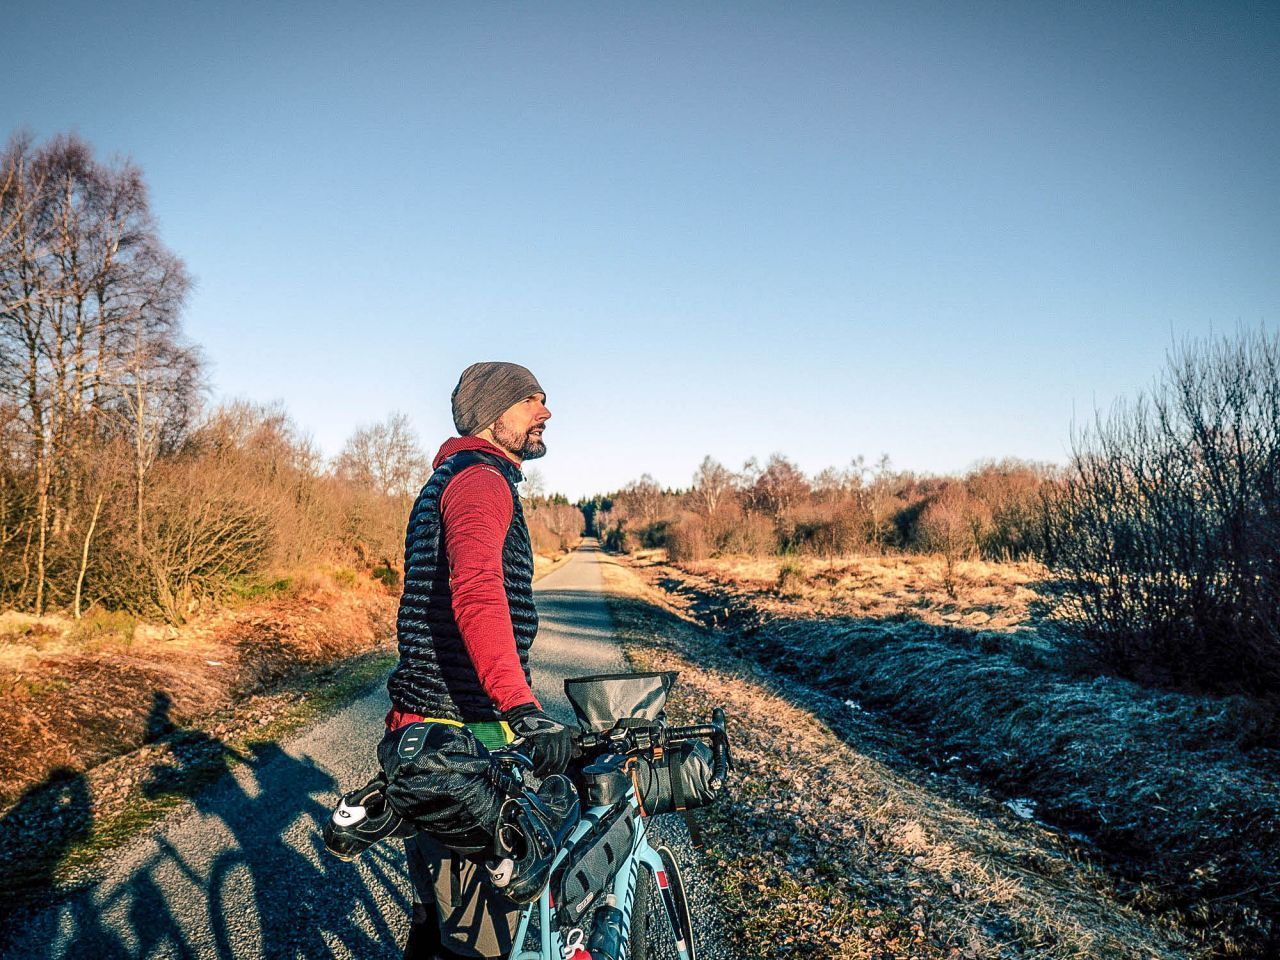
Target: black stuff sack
[677, 780]
[603, 700]
[442, 780]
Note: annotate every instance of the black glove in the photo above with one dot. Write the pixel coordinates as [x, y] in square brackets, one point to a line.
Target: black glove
[548, 742]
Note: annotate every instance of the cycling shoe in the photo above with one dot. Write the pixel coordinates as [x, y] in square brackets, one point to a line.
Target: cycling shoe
[532, 827]
[361, 819]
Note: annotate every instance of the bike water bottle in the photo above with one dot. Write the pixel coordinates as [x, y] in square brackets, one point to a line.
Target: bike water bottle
[606, 932]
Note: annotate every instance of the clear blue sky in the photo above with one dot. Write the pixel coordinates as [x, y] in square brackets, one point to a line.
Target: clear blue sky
[936, 230]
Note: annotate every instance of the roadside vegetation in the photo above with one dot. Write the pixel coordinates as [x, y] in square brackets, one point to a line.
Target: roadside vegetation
[156, 549]
[834, 840]
[1098, 645]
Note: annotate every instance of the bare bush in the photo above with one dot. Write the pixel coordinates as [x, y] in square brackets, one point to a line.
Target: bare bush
[1012, 494]
[385, 456]
[951, 525]
[687, 539]
[554, 524]
[1165, 527]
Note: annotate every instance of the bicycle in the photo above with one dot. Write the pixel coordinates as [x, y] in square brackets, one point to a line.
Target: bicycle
[614, 904]
[576, 850]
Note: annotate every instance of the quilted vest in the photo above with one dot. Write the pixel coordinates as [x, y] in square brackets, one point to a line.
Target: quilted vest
[435, 676]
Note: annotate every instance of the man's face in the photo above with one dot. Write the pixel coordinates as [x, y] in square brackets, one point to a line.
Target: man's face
[519, 429]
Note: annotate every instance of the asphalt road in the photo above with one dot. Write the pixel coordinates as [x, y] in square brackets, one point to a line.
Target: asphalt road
[242, 871]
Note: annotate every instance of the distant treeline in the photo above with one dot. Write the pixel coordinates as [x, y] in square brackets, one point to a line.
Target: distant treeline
[1161, 536]
[996, 511]
[118, 486]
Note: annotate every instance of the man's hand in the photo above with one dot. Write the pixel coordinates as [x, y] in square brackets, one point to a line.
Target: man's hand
[550, 743]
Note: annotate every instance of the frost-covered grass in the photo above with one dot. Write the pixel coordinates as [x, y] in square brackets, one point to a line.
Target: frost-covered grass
[1180, 793]
[829, 843]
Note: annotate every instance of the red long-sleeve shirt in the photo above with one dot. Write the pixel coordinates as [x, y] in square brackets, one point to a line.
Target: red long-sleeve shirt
[475, 513]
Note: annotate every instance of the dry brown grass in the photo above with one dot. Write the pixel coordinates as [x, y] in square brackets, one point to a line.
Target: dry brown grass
[104, 679]
[994, 596]
[834, 846]
[1180, 793]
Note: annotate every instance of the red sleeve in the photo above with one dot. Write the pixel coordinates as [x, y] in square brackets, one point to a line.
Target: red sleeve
[476, 510]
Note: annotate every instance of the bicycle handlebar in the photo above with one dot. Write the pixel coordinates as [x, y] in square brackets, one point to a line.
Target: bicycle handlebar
[722, 762]
[624, 737]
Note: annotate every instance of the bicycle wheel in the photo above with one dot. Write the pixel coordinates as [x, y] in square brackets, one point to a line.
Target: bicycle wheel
[641, 904]
[674, 890]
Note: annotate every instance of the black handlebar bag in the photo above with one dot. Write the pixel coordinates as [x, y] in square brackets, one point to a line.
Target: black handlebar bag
[601, 701]
[673, 779]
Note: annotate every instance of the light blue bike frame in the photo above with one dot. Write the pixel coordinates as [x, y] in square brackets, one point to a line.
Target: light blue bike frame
[552, 941]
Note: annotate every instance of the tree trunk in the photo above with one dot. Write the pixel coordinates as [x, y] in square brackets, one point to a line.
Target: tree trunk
[42, 511]
[84, 555]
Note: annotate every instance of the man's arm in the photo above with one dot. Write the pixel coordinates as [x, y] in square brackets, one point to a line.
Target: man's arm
[476, 510]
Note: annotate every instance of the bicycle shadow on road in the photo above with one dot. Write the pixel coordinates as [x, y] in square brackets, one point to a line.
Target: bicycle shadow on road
[244, 875]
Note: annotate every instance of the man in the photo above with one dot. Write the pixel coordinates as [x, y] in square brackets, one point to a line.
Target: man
[465, 626]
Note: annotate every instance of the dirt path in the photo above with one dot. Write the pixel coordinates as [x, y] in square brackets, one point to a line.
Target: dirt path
[240, 872]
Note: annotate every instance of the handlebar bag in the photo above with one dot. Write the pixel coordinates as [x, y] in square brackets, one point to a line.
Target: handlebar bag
[673, 780]
[601, 701]
[606, 780]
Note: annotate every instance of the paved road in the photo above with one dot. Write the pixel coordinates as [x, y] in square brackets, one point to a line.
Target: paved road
[242, 872]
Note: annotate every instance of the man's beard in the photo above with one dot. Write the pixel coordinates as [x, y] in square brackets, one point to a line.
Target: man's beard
[523, 445]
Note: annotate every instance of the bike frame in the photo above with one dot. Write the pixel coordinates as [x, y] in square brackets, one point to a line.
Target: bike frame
[556, 944]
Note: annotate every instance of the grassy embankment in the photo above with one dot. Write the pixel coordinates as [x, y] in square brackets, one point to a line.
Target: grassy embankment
[95, 709]
[880, 830]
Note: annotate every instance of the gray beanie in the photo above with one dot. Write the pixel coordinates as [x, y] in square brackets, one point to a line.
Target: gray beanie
[484, 392]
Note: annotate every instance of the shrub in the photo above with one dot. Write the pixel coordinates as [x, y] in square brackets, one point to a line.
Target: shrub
[790, 576]
[617, 539]
[687, 540]
[387, 575]
[1165, 528]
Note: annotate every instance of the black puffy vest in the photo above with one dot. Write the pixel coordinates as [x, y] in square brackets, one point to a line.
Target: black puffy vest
[435, 677]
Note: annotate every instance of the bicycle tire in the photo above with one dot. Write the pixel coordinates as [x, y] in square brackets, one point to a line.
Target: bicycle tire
[675, 882]
[641, 904]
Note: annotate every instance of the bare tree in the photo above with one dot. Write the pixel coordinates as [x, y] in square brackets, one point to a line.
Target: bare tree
[385, 456]
[779, 486]
[712, 485]
[82, 276]
[533, 487]
[643, 498]
[89, 337]
[1165, 528]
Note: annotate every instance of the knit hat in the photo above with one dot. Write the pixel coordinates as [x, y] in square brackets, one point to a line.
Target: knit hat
[486, 390]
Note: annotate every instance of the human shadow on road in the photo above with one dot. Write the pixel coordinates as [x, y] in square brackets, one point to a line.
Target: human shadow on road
[35, 835]
[246, 875]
